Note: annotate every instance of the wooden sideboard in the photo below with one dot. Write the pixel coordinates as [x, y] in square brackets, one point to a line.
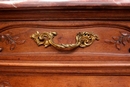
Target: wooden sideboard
[83, 43]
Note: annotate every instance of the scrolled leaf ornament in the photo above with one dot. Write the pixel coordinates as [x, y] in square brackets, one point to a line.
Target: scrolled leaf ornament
[8, 38]
[83, 39]
[123, 39]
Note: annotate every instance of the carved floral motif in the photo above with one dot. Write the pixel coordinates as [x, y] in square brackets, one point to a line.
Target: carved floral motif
[12, 40]
[121, 40]
[5, 84]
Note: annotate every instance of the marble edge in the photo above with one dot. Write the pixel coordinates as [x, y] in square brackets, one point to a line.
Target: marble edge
[39, 4]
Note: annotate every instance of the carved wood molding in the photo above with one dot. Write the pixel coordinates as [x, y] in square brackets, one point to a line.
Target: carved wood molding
[65, 67]
[57, 13]
[118, 26]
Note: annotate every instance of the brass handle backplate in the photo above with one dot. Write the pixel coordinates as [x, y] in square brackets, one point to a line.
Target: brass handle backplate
[83, 39]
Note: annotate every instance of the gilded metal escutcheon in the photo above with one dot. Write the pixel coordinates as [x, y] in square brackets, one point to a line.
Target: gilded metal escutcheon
[83, 39]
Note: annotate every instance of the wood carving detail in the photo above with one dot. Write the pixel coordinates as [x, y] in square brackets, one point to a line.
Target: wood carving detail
[123, 27]
[121, 40]
[5, 84]
[10, 39]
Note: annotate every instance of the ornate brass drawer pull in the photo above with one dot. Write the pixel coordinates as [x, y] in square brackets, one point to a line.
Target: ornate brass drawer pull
[83, 39]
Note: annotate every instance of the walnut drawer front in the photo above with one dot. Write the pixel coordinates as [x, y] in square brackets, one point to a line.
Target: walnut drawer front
[70, 47]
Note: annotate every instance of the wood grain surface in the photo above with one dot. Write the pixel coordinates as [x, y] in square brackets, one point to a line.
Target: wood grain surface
[25, 64]
[67, 81]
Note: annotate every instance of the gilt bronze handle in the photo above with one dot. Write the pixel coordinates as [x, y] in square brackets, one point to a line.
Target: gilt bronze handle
[83, 39]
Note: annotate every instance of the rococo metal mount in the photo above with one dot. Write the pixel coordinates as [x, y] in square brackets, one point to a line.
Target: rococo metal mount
[83, 39]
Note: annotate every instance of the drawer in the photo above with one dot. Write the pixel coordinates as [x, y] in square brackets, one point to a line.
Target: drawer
[65, 45]
[110, 49]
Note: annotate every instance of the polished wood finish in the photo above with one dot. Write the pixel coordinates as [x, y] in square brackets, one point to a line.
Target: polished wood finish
[66, 67]
[67, 81]
[29, 65]
[65, 14]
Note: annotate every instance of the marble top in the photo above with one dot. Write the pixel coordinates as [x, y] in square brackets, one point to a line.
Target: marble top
[47, 3]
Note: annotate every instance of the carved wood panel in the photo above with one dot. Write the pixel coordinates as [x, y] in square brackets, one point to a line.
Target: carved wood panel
[89, 57]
